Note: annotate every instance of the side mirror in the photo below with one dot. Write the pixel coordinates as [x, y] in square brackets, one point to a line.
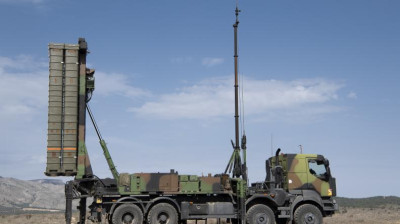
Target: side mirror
[326, 176]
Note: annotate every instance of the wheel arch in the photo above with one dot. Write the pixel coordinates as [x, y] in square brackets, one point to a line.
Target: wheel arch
[260, 199]
[310, 203]
[127, 199]
[308, 197]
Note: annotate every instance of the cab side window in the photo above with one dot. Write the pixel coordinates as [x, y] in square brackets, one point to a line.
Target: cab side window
[317, 169]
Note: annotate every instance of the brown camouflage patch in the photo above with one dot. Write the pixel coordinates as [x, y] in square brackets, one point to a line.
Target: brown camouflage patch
[294, 182]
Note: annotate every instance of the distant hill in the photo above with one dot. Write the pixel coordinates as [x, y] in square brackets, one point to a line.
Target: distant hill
[18, 194]
[372, 202]
[49, 181]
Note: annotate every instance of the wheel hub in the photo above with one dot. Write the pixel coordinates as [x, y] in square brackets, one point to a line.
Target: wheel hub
[262, 218]
[309, 218]
[163, 217]
[127, 218]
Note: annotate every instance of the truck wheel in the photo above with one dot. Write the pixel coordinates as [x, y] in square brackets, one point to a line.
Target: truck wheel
[260, 214]
[127, 214]
[307, 214]
[162, 213]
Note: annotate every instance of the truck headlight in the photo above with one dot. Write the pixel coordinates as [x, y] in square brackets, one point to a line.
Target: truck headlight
[99, 200]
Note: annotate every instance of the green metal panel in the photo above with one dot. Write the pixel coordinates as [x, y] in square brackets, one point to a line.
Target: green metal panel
[189, 183]
[193, 178]
[62, 110]
[205, 187]
[137, 184]
[189, 186]
[183, 177]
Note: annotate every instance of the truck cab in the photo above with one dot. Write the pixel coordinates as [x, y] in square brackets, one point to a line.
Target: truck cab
[301, 186]
[301, 172]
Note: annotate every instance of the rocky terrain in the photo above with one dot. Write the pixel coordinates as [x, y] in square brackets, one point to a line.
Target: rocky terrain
[16, 195]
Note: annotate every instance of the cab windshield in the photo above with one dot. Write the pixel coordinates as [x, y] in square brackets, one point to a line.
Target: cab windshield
[317, 169]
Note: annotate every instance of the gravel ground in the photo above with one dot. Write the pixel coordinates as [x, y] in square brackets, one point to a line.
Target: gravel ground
[388, 215]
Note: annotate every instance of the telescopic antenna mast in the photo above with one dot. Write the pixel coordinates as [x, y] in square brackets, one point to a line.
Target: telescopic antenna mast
[235, 27]
[235, 162]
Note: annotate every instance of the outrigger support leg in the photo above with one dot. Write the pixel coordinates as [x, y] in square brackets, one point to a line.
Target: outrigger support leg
[82, 211]
[242, 211]
[68, 201]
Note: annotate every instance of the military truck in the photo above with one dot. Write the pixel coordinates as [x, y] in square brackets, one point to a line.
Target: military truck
[297, 187]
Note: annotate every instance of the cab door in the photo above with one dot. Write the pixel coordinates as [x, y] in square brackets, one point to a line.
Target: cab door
[318, 178]
[297, 174]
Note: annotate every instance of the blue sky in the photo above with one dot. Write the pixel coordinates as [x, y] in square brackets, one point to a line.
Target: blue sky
[323, 74]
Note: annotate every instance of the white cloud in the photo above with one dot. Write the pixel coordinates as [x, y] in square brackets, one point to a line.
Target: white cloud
[23, 86]
[117, 84]
[24, 81]
[215, 97]
[22, 63]
[352, 95]
[210, 62]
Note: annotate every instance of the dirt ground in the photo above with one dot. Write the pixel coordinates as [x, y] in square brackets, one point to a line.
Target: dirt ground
[389, 215]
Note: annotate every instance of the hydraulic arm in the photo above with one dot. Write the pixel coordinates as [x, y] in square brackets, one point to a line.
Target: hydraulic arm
[103, 144]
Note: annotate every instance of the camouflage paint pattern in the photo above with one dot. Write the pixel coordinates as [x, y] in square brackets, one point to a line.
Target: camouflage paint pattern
[169, 183]
[297, 175]
[210, 184]
[84, 167]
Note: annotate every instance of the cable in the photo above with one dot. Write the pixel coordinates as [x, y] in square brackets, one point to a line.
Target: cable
[94, 122]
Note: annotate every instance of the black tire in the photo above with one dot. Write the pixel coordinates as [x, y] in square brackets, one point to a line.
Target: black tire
[233, 221]
[127, 214]
[308, 214]
[162, 213]
[260, 214]
[282, 221]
